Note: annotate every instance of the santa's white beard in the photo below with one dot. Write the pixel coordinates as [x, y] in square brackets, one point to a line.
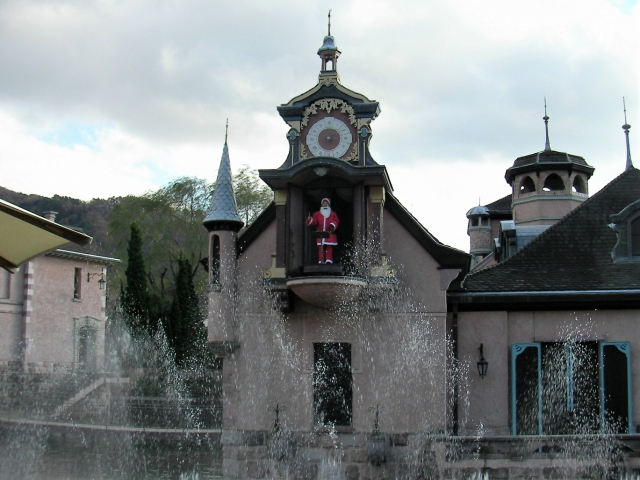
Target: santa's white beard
[325, 211]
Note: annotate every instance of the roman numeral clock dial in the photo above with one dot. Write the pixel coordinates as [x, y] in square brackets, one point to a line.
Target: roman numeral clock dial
[329, 137]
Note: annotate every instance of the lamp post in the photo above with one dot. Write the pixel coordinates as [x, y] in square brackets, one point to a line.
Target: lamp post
[102, 283]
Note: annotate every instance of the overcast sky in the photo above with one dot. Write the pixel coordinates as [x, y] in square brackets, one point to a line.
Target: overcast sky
[108, 98]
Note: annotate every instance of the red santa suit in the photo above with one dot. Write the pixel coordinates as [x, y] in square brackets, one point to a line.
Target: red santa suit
[325, 222]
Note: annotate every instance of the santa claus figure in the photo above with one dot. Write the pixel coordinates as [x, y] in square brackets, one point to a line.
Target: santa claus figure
[326, 222]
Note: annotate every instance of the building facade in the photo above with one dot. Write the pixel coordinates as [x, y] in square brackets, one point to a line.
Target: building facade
[350, 342]
[53, 314]
[326, 342]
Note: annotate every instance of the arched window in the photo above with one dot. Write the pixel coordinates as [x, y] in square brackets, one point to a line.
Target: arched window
[553, 183]
[527, 186]
[214, 267]
[579, 185]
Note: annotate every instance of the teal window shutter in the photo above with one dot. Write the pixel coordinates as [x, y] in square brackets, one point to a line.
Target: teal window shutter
[616, 414]
[526, 389]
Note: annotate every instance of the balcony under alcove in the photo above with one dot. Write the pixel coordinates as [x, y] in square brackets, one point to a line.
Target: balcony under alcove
[327, 291]
[327, 286]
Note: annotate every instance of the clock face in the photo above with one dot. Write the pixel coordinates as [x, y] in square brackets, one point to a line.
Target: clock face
[329, 137]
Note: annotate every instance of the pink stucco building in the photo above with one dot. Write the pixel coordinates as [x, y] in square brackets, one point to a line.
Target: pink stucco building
[406, 358]
[52, 312]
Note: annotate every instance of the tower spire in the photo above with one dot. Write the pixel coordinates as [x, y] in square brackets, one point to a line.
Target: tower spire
[626, 128]
[329, 54]
[226, 131]
[223, 214]
[547, 146]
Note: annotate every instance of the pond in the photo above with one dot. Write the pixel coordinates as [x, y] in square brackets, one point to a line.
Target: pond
[39, 454]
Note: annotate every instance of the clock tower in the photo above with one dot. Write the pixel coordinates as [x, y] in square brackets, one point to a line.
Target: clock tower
[329, 135]
[329, 120]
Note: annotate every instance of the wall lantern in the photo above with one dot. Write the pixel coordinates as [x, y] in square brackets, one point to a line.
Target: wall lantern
[102, 283]
[482, 364]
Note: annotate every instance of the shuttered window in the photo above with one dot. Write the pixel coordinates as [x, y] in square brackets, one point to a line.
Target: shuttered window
[570, 388]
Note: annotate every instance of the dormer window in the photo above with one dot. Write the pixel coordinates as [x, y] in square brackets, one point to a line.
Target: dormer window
[626, 224]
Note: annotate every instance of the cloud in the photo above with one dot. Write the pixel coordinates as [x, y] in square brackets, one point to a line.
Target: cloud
[104, 97]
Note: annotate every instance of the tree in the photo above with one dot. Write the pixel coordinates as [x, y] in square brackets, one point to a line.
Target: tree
[171, 223]
[187, 320]
[252, 195]
[135, 297]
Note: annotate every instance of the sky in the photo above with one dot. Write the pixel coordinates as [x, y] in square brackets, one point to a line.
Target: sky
[103, 98]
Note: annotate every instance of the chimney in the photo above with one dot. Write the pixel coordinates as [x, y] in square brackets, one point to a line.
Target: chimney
[50, 215]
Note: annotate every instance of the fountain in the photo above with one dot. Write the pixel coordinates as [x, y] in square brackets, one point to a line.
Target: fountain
[157, 422]
[362, 368]
[382, 327]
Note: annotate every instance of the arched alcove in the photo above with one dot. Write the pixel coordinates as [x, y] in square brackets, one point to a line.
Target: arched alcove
[553, 183]
[579, 185]
[342, 204]
[527, 185]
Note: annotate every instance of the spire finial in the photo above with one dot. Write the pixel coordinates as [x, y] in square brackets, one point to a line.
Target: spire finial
[547, 146]
[626, 128]
[226, 131]
[329, 26]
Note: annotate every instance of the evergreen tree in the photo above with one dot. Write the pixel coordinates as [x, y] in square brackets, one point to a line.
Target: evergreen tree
[135, 298]
[172, 323]
[189, 335]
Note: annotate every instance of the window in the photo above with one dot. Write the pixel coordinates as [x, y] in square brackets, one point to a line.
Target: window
[570, 388]
[332, 384]
[626, 224]
[77, 284]
[215, 260]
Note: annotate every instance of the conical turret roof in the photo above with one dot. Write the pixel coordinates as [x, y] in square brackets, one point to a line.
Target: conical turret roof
[223, 214]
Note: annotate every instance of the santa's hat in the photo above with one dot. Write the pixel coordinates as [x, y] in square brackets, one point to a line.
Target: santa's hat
[327, 199]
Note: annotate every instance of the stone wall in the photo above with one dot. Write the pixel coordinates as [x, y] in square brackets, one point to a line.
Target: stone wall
[331, 455]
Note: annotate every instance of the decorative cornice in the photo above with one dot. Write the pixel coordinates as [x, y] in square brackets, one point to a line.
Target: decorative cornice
[328, 80]
[328, 104]
[353, 156]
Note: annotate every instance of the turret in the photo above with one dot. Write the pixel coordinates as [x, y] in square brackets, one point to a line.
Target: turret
[547, 185]
[222, 223]
[479, 231]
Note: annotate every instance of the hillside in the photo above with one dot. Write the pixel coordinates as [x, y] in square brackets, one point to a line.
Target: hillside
[90, 217]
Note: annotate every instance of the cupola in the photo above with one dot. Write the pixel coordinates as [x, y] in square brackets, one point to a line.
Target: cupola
[547, 185]
[329, 54]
